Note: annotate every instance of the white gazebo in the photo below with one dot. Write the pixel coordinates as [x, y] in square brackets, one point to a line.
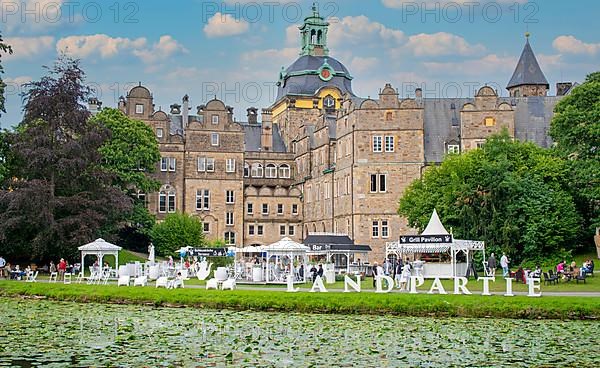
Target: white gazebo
[285, 249]
[448, 245]
[99, 248]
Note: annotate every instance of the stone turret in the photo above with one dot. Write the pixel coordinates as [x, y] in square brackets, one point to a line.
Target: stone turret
[528, 78]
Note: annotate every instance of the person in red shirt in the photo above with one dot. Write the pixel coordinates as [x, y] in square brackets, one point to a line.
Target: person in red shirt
[62, 268]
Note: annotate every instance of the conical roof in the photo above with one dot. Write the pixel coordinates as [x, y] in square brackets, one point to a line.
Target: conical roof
[528, 71]
[435, 227]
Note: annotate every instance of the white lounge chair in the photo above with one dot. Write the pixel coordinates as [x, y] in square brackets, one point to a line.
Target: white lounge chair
[162, 282]
[32, 277]
[79, 278]
[177, 283]
[140, 281]
[123, 281]
[228, 284]
[212, 284]
[67, 280]
[53, 277]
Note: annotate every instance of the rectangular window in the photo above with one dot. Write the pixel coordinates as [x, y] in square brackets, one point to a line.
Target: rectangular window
[294, 209]
[206, 227]
[162, 203]
[480, 144]
[377, 144]
[159, 133]
[229, 197]
[378, 183]
[172, 164]
[215, 119]
[373, 183]
[265, 209]
[164, 164]
[282, 230]
[214, 139]
[229, 219]
[291, 231]
[210, 164]
[230, 238]
[385, 231]
[375, 229]
[382, 183]
[250, 208]
[389, 143]
[260, 230]
[201, 164]
[171, 203]
[251, 230]
[453, 149]
[280, 209]
[230, 167]
[203, 200]
[139, 109]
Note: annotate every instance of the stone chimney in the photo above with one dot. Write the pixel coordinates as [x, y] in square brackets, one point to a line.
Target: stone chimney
[122, 104]
[418, 93]
[252, 116]
[186, 110]
[267, 130]
[563, 88]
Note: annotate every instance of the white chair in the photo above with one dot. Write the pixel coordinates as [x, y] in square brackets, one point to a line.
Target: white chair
[32, 277]
[177, 283]
[123, 281]
[185, 274]
[140, 281]
[228, 284]
[53, 277]
[79, 278]
[105, 278]
[212, 284]
[67, 280]
[162, 282]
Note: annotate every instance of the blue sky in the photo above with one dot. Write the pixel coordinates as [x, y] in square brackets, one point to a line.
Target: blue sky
[235, 49]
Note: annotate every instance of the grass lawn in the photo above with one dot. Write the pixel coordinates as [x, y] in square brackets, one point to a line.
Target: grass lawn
[344, 303]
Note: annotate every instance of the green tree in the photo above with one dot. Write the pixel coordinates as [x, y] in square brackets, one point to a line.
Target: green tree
[176, 231]
[508, 194]
[59, 196]
[4, 49]
[576, 130]
[131, 152]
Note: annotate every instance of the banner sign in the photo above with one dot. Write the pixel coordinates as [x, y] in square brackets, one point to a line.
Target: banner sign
[426, 239]
[209, 252]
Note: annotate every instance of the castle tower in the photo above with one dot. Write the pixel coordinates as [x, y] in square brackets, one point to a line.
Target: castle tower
[314, 34]
[528, 79]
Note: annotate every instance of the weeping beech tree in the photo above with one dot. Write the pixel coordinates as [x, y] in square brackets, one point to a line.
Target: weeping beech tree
[58, 196]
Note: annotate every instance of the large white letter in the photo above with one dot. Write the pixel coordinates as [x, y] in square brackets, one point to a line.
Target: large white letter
[437, 285]
[509, 287]
[389, 281]
[534, 284]
[460, 286]
[318, 285]
[413, 283]
[349, 283]
[290, 285]
[486, 284]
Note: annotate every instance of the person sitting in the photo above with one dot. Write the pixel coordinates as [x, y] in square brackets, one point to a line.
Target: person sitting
[520, 275]
[586, 268]
[537, 273]
[560, 268]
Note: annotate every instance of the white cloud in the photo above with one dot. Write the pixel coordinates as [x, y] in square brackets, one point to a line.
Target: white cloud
[360, 30]
[166, 47]
[98, 44]
[225, 25]
[363, 64]
[441, 43]
[572, 45]
[18, 81]
[28, 47]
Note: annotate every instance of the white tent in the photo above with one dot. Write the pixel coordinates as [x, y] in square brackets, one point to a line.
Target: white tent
[285, 250]
[99, 248]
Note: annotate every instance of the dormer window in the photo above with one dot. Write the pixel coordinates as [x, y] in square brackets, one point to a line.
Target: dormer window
[215, 119]
[490, 122]
[139, 109]
[159, 133]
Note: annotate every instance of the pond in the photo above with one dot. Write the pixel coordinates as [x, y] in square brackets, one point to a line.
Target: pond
[52, 334]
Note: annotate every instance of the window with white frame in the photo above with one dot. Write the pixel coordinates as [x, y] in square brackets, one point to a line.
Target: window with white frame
[327, 190]
[280, 209]
[375, 229]
[265, 209]
[378, 183]
[282, 230]
[171, 206]
[230, 166]
[271, 171]
[294, 209]
[251, 230]
[390, 145]
[214, 139]
[250, 208]
[201, 164]
[168, 164]
[377, 144]
[246, 170]
[162, 202]
[229, 238]
[291, 230]
[257, 170]
[215, 119]
[139, 109]
[229, 219]
[453, 149]
[284, 171]
[260, 230]
[210, 164]
[229, 197]
[385, 230]
[206, 226]
[203, 200]
[159, 132]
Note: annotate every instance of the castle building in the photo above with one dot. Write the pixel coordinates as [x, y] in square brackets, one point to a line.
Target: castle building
[321, 159]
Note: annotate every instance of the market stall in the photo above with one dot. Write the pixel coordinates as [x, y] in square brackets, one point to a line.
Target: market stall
[338, 250]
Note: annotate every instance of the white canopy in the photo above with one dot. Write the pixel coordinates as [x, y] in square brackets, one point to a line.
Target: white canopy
[285, 245]
[99, 248]
[249, 249]
[435, 227]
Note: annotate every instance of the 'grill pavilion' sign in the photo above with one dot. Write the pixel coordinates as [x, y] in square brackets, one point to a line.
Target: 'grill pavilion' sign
[425, 239]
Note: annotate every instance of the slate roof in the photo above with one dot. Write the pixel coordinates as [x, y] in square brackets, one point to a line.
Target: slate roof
[253, 142]
[528, 71]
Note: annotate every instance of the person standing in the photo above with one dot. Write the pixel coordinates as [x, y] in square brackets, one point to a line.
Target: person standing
[62, 268]
[398, 272]
[375, 273]
[2, 266]
[504, 264]
[492, 265]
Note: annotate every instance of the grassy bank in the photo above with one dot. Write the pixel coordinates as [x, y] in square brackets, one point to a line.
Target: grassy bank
[350, 303]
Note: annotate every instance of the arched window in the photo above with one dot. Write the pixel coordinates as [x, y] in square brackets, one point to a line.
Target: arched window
[313, 37]
[246, 170]
[166, 201]
[257, 170]
[284, 171]
[319, 37]
[271, 171]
